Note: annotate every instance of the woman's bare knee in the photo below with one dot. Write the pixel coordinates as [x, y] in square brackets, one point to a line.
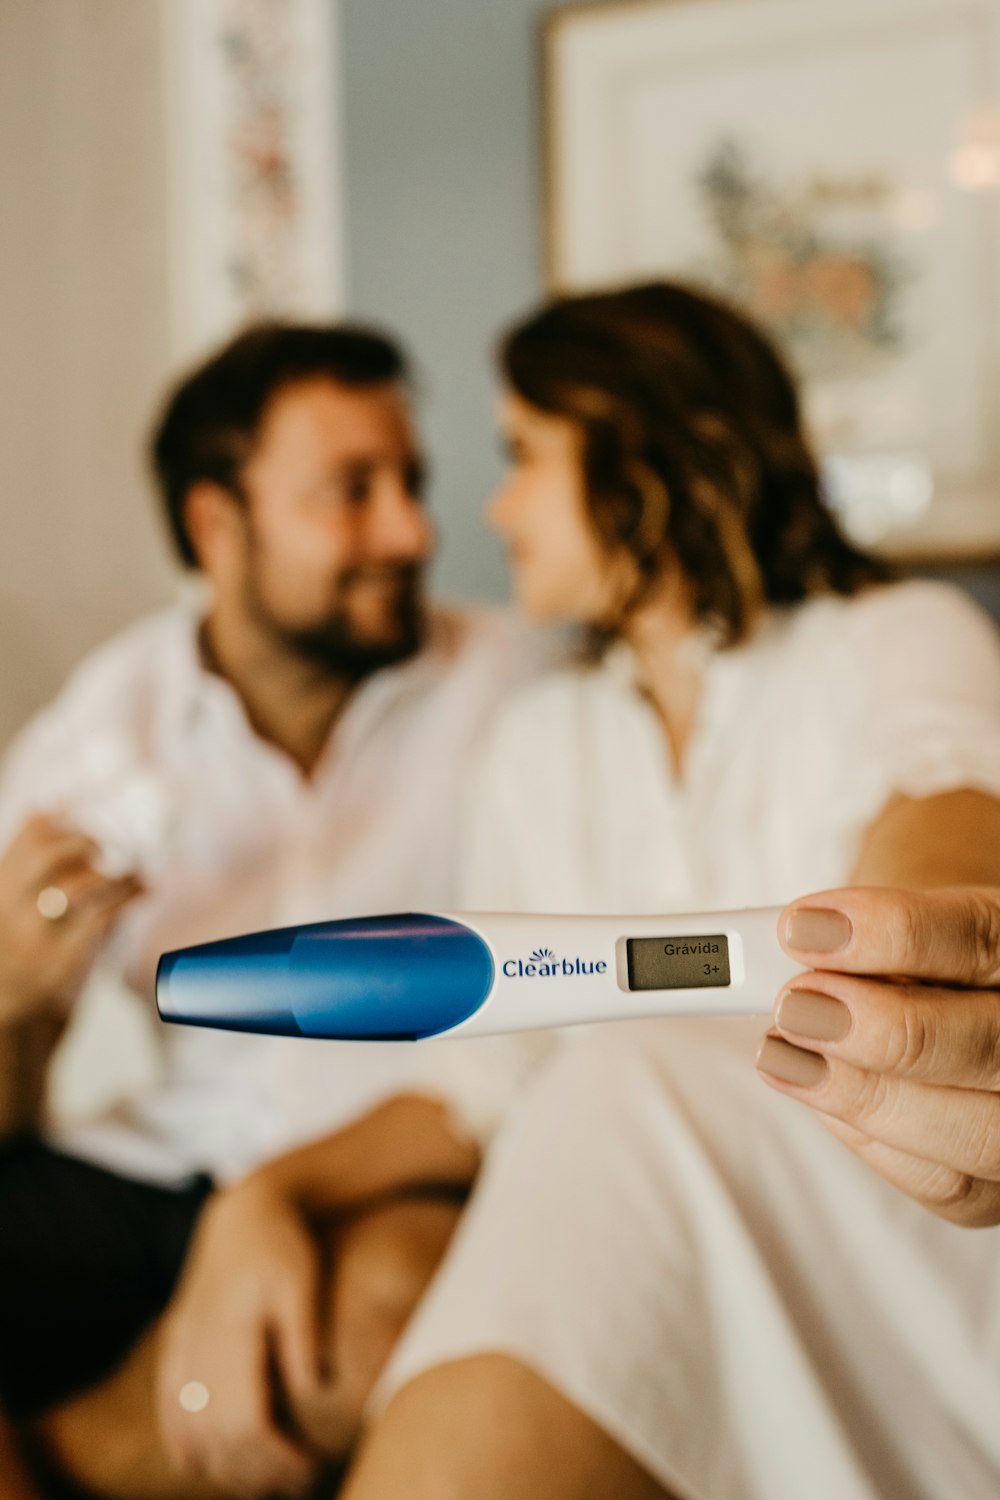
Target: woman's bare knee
[489, 1428]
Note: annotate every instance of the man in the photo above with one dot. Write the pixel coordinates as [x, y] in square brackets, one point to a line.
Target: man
[294, 753]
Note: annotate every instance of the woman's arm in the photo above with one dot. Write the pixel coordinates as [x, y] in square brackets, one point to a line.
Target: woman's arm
[951, 839]
[409, 1141]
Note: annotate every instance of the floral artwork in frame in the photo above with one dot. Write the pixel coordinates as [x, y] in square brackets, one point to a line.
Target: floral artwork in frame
[833, 168]
[254, 164]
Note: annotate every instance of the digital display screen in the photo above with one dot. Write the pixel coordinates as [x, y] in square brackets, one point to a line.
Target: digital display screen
[678, 963]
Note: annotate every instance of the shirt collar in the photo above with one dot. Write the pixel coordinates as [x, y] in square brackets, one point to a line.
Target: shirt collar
[200, 695]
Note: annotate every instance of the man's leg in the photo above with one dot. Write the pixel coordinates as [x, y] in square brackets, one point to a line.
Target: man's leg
[488, 1428]
[107, 1439]
[15, 1482]
[104, 1442]
[88, 1260]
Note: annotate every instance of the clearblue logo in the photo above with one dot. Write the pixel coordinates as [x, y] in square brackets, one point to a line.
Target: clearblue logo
[542, 963]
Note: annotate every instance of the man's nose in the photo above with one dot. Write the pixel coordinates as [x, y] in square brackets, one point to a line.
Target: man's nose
[399, 526]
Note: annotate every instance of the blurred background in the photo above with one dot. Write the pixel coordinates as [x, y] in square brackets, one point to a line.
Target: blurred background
[172, 167]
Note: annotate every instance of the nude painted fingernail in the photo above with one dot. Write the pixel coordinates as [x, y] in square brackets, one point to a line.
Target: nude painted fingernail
[818, 1017]
[790, 1064]
[812, 931]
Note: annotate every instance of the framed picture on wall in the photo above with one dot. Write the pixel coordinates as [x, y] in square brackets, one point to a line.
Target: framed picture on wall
[255, 201]
[833, 167]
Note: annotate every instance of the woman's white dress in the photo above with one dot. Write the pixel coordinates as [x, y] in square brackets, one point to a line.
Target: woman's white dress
[689, 1257]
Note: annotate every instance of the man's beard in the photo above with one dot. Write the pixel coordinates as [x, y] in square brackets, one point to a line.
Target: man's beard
[336, 645]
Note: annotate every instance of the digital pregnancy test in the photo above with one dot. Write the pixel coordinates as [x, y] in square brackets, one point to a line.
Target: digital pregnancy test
[401, 978]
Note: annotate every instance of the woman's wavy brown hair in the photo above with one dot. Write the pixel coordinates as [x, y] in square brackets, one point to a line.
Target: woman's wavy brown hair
[694, 449]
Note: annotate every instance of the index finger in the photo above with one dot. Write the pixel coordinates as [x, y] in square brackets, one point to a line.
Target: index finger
[42, 847]
[951, 936]
[909, 1031]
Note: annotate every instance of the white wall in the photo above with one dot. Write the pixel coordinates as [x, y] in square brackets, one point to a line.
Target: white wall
[83, 314]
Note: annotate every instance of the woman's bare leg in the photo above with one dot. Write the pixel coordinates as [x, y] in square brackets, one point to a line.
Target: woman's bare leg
[488, 1428]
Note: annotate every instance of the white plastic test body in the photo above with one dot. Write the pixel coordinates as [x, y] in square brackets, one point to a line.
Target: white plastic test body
[450, 974]
[569, 970]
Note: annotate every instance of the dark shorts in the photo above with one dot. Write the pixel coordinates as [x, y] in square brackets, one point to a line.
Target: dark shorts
[87, 1262]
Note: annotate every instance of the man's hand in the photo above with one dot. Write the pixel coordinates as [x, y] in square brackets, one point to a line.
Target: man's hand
[45, 960]
[895, 1040]
[247, 1311]
[326, 1249]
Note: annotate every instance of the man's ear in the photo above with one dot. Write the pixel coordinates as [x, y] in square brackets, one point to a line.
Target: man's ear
[215, 524]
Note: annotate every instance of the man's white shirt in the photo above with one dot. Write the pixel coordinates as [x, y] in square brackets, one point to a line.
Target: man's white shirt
[155, 755]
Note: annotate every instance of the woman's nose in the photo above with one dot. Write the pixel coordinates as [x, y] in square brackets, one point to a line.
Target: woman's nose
[496, 508]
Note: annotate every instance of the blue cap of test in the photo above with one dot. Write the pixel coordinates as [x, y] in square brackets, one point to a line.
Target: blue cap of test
[385, 978]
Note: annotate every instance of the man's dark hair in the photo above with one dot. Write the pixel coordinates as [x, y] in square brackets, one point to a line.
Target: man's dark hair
[212, 419]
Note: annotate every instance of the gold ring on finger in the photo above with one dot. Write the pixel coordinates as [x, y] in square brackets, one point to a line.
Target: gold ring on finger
[52, 902]
[194, 1396]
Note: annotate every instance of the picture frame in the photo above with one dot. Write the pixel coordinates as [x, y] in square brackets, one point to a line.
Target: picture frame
[833, 169]
[253, 157]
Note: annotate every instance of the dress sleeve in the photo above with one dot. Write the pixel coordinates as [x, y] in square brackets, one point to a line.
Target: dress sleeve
[482, 1078]
[923, 669]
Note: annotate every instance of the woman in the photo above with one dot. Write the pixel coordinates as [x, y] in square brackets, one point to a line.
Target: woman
[670, 1281]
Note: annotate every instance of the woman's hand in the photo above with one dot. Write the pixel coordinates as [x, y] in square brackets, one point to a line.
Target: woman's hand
[895, 1039]
[247, 1310]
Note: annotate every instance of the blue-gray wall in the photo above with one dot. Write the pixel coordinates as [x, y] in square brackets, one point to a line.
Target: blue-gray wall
[443, 167]
[444, 245]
